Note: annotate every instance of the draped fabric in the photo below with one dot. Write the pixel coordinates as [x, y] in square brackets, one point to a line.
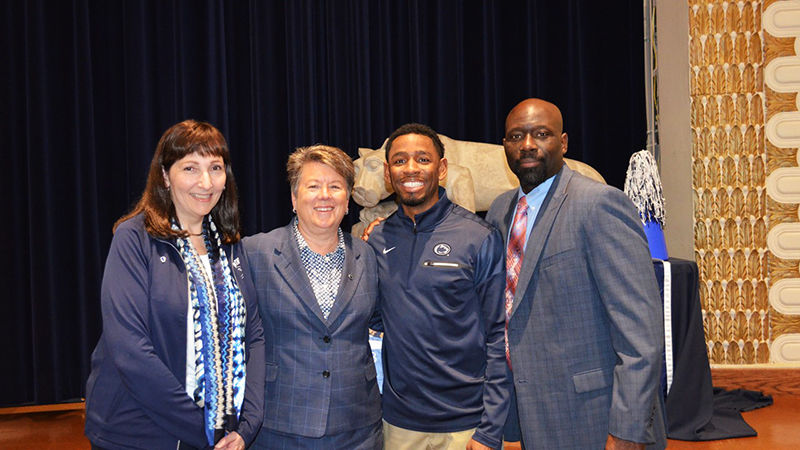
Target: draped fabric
[87, 88]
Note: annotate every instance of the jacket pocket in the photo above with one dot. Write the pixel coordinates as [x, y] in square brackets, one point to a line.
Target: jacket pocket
[445, 265]
[591, 380]
[271, 372]
[567, 254]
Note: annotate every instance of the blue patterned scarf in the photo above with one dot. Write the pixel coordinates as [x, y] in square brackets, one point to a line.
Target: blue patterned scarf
[219, 323]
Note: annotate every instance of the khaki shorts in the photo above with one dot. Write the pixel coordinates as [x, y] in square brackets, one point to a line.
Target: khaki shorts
[396, 438]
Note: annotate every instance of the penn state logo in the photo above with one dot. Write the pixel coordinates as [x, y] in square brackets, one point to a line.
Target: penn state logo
[238, 266]
[441, 249]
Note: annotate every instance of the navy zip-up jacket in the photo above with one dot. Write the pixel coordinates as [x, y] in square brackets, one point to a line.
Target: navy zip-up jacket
[136, 394]
[441, 304]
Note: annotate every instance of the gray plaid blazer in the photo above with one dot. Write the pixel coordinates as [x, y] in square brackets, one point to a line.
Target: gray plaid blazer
[586, 329]
[320, 376]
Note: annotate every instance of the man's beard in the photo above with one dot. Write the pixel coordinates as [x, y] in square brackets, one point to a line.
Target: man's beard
[410, 200]
[531, 177]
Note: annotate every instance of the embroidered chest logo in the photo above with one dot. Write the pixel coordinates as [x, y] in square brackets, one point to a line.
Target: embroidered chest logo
[441, 249]
[238, 266]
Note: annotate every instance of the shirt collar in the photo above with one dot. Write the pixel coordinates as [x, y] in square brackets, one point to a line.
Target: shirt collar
[303, 245]
[536, 196]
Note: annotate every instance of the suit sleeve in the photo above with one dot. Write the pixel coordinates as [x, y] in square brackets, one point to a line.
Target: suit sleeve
[620, 263]
[125, 304]
[252, 413]
[490, 284]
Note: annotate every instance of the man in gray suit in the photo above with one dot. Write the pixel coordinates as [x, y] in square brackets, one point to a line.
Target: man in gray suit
[585, 331]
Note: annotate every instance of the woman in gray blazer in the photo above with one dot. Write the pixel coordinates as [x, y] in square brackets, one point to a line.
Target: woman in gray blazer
[317, 289]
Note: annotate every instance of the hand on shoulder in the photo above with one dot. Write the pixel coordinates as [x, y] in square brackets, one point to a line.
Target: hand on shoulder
[370, 227]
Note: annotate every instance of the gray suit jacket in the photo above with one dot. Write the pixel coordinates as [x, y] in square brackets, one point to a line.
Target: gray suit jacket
[320, 373]
[586, 330]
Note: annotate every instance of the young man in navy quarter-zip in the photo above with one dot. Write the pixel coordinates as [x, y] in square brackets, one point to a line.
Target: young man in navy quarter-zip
[442, 276]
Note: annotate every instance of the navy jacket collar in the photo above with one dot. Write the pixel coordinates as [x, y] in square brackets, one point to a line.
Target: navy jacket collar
[427, 220]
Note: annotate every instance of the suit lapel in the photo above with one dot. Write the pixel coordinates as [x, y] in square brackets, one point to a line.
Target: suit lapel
[351, 274]
[505, 224]
[540, 233]
[292, 270]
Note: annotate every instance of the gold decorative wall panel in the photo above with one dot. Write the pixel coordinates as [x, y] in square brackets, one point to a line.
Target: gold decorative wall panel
[781, 21]
[726, 59]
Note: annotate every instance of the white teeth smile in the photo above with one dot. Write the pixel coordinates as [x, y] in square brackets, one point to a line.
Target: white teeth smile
[202, 196]
[412, 184]
[324, 208]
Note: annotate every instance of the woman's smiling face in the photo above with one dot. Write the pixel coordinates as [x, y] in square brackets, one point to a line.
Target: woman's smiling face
[195, 185]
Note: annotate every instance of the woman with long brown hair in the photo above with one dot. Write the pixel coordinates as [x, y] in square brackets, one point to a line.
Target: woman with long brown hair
[180, 363]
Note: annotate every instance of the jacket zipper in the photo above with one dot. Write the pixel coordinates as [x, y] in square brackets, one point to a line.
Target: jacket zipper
[413, 250]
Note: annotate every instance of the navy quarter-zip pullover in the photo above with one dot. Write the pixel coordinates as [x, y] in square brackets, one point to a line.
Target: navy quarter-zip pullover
[441, 282]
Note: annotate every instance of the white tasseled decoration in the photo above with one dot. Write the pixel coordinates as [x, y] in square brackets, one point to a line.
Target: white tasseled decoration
[643, 187]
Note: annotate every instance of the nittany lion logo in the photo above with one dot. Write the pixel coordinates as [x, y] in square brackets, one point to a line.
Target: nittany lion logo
[441, 249]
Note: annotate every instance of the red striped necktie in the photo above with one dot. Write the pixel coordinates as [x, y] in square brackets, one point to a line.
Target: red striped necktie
[514, 254]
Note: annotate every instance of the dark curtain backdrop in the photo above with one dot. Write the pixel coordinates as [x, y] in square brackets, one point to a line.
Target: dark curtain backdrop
[89, 86]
